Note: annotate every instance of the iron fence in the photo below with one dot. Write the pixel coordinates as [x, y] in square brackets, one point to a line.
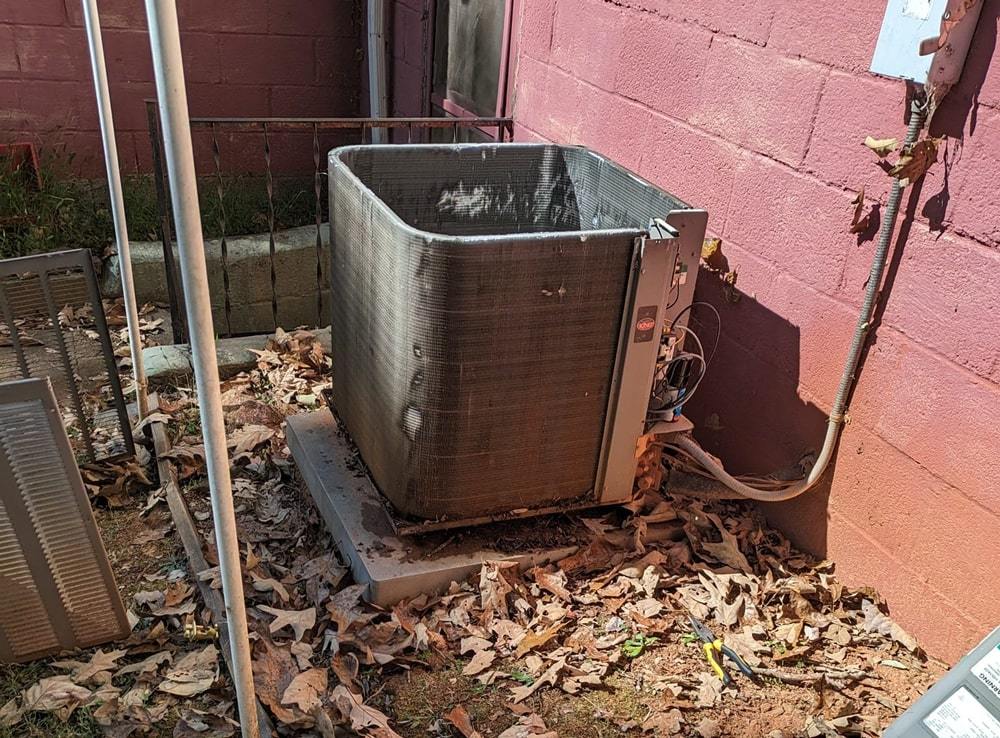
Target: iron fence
[256, 146]
[52, 324]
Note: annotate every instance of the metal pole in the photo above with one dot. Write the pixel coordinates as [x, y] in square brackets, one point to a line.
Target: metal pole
[168, 67]
[377, 94]
[96, 46]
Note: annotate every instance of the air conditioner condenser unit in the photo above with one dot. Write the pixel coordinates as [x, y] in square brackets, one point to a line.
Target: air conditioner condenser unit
[497, 316]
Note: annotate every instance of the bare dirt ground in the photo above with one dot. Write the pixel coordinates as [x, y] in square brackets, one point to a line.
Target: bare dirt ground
[599, 645]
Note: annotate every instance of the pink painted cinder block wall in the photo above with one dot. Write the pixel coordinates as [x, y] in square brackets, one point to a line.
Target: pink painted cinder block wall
[242, 58]
[756, 110]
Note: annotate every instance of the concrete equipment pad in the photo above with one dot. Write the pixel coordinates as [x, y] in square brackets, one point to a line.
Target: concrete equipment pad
[394, 567]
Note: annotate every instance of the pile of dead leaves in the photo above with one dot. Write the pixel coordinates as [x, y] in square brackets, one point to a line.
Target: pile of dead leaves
[610, 619]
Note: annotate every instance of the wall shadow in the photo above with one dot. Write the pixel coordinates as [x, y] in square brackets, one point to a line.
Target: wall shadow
[748, 411]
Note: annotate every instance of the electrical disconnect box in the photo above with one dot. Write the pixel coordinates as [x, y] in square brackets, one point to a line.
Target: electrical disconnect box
[926, 41]
[965, 704]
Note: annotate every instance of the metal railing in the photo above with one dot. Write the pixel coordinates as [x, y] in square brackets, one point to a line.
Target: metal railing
[52, 324]
[346, 130]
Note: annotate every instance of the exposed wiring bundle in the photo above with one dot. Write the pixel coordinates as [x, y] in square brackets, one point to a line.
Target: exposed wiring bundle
[693, 457]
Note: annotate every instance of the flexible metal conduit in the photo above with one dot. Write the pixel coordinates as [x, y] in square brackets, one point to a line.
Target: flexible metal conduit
[837, 413]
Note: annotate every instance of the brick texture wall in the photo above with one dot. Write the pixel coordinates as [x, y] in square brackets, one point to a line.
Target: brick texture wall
[242, 58]
[756, 110]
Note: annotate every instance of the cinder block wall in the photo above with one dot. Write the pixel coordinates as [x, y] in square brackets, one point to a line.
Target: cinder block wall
[242, 58]
[756, 110]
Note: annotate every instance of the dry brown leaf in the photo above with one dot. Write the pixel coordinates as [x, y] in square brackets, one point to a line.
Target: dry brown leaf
[529, 726]
[459, 717]
[306, 690]
[479, 663]
[552, 582]
[916, 160]
[266, 584]
[532, 641]
[551, 675]
[99, 661]
[249, 437]
[298, 620]
[878, 622]
[344, 607]
[881, 146]
[860, 221]
[361, 716]
[193, 674]
[150, 664]
[346, 667]
[664, 723]
[273, 670]
[496, 580]
[58, 694]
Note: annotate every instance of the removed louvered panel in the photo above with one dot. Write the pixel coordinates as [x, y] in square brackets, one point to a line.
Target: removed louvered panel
[52, 325]
[58, 589]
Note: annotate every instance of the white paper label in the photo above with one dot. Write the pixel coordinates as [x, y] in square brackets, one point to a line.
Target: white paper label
[988, 670]
[962, 716]
[919, 9]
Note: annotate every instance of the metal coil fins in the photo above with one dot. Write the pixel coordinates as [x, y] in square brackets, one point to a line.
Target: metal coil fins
[58, 589]
[478, 292]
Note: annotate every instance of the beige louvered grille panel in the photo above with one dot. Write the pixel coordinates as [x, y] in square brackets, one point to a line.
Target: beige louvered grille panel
[59, 592]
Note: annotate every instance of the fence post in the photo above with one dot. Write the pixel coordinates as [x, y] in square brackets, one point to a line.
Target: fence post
[177, 320]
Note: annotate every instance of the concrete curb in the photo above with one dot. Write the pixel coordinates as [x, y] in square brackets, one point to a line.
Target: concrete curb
[169, 363]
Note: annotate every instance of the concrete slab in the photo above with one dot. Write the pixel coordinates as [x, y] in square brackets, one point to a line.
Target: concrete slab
[393, 567]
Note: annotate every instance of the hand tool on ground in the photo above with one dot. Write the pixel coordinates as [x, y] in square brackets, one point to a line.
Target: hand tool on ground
[715, 650]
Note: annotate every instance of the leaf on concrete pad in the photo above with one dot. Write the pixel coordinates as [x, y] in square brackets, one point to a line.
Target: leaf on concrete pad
[298, 620]
[306, 690]
[459, 717]
[881, 146]
[58, 694]
[193, 674]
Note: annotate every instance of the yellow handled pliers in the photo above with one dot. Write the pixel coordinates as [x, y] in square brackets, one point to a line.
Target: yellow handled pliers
[715, 650]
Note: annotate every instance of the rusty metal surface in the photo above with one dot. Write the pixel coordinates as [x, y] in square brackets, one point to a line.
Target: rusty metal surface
[478, 297]
[58, 589]
[52, 324]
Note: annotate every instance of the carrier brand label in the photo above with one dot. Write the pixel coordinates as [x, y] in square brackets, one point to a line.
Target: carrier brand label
[962, 716]
[645, 323]
[987, 670]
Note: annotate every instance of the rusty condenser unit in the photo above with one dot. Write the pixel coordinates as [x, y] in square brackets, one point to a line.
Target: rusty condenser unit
[497, 318]
[58, 589]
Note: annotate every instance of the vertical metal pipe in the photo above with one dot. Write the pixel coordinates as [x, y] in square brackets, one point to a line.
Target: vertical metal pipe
[377, 95]
[96, 45]
[168, 68]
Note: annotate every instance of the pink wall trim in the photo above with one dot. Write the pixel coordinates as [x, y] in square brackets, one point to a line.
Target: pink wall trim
[756, 110]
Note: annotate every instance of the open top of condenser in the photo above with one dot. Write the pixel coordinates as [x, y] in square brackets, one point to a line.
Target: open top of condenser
[495, 320]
